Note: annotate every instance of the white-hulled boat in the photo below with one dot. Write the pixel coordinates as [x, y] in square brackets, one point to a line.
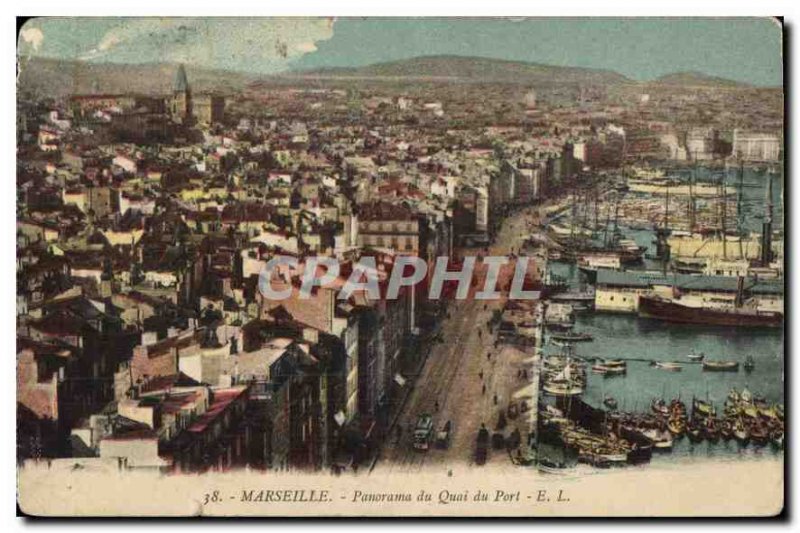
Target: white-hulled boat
[694, 356]
[721, 366]
[672, 367]
[662, 440]
[562, 390]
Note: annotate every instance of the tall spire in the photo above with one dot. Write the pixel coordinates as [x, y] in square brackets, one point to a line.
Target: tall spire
[181, 82]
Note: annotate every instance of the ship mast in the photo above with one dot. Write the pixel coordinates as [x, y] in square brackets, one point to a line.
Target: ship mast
[739, 210]
[766, 229]
[665, 258]
[691, 195]
[722, 212]
[608, 221]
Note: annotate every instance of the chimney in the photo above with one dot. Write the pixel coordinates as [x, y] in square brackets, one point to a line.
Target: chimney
[149, 337]
[311, 335]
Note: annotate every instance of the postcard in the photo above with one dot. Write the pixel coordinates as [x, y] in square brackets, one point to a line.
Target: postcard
[400, 267]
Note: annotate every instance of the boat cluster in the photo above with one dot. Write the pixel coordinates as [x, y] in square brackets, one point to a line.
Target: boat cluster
[750, 418]
[746, 419]
[599, 450]
[563, 376]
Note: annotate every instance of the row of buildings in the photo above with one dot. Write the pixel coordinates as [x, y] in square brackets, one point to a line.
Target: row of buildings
[142, 335]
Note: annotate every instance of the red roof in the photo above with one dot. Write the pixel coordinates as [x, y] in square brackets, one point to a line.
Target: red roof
[222, 399]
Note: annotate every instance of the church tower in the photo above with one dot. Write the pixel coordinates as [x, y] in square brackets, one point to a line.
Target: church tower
[181, 108]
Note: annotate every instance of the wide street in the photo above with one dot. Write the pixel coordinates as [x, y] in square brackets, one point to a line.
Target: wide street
[461, 377]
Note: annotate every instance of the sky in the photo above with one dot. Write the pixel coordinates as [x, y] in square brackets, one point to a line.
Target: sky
[742, 49]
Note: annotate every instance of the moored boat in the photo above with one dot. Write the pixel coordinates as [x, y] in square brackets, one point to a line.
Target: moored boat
[694, 356]
[776, 437]
[759, 434]
[662, 440]
[676, 426]
[740, 432]
[726, 430]
[672, 367]
[571, 336]
[721, 366]
[693, 432]
[562, 390]
[710, 430]
[671, 310]
[611, 368]
[702, 409]
[558, 468]
[659, 406]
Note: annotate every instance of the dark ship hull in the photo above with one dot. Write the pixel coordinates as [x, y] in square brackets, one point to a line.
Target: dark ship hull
[671, 311]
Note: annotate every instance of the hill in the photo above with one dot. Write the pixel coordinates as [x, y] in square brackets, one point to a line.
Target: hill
[57, 78]
[467, 69]
[697, 79]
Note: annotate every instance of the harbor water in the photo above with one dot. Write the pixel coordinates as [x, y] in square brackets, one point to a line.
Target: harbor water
[626, 336]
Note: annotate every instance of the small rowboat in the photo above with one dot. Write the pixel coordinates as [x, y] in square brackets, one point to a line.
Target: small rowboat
[740, 432]
[615, 371]
[662, 440]
[672, 367]
[721, 366]
[676, 426]
[609, 370]
[610, 402]
[693, 356]
[710, 431]
[571, 336]
[554, 467]
[759, 435]
[726, 431]
[777, 438]
[702, 409]
[659, 406]
[693, 431]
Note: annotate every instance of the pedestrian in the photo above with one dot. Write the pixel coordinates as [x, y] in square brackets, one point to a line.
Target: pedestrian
[479, 334]
[488, 356]
[481, 374]
[436, 406]
[495, 399]
[483, 390]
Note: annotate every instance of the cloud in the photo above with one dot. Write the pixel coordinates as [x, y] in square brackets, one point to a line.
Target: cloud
[255, 44]
[33, 37]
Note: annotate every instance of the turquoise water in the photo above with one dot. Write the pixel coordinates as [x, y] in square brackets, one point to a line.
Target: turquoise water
[628, 336]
